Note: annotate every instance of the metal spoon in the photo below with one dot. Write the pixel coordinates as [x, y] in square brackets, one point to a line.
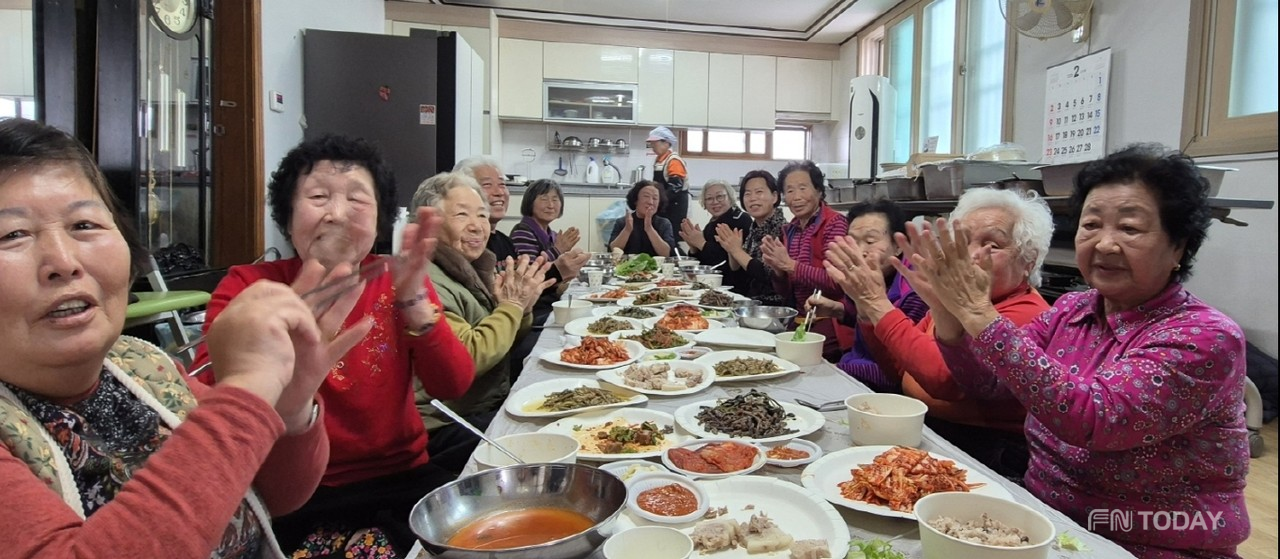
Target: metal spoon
[445, 410]
[722, 263]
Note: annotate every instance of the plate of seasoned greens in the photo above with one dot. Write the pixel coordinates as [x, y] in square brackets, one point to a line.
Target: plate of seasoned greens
[752, 416]
[737, 365]
[655, 338]
[638, 313]
[568, 396]
[600, 326]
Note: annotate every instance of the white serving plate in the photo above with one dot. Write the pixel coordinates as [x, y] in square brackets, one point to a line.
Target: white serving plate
[585, 421]
[710, 360]
[610, 310]
[620, 333]
[695, 444]
[614, 377]
[524, 402]
[815, 452]
[578, 326]
[825, 475]
[805, 422]
[746, 338]
[796, 510]
[595, 297]
[631, 302]
[711, 324]
[634, 350]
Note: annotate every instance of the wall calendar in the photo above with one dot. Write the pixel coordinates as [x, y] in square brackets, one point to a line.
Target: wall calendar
[1075, 114]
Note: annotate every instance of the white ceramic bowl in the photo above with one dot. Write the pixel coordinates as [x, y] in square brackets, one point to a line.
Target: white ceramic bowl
[628, 470]
[885, 419]
[567, 310]
[712, 280]
[970, 507]
[533, 448]
[649, 542]
[815, 452]
[805, 353]
[645, 482]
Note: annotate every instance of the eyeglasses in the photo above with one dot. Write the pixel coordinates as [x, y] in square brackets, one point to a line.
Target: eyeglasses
[719, 198]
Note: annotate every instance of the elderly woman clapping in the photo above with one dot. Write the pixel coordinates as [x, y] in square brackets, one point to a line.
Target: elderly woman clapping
[488, 310]
[1015, 231]
[100, 435]
[332, 197]
[719, 201]
[1134, 389]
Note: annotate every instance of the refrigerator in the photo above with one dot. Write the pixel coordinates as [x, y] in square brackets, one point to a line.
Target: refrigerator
[419, 97]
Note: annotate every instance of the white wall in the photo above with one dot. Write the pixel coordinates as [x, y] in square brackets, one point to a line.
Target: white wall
[1236, 270]
[282, 25]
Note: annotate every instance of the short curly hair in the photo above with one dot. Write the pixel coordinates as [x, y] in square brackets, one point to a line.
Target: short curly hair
[1172, 177]
[337, 148]
[633, 195]
[816, 176]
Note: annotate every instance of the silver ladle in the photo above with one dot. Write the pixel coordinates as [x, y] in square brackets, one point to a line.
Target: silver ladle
[445, 410]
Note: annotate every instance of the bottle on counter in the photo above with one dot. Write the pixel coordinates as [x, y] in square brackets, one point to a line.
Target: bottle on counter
[593, 172]
[609, 173]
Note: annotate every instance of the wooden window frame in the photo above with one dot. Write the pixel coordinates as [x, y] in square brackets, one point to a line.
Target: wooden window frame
[1206, 128]
[746, 156]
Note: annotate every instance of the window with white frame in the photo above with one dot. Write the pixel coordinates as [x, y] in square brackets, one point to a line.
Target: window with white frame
[1231, 102]
[781, 143]
[941, 55]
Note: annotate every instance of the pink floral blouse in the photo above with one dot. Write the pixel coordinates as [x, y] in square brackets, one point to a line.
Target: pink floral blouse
[1135, 420]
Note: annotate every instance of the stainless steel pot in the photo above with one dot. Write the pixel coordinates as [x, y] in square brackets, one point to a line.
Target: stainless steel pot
[572, 142]
[620, 144]
[595, 142]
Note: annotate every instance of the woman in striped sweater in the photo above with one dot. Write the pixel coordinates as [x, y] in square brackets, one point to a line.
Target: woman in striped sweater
[543, 203]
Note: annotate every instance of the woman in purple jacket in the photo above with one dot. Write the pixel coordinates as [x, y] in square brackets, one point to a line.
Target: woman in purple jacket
[1135, 388]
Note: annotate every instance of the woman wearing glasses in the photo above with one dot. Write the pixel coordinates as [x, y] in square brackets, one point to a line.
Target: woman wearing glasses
[723, 208]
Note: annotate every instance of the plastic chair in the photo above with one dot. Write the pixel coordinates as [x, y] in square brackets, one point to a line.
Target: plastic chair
[160, 305]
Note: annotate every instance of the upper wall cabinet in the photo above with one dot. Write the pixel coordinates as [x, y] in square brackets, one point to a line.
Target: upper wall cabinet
[759, 92]
[724, 106]
[804, 85]
[657, 86]
[17, 74]
[591, 63]
[519, 78]
[689, 106]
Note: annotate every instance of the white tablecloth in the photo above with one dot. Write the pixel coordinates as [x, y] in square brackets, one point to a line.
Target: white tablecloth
[818, 383]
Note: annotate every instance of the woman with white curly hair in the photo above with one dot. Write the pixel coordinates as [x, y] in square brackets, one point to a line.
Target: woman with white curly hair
[1015, 230]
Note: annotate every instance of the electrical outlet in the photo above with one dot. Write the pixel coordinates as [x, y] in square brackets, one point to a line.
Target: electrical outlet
[276, 100]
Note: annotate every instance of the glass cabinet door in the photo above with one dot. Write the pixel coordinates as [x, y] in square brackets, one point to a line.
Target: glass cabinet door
[173, 147]
[590, 102]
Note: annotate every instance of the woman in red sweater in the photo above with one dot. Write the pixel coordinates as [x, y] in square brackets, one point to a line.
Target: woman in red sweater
[1016, 231]
[105, 451]
[332, 197]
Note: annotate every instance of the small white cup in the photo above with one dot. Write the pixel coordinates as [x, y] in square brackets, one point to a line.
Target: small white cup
[566, 311]
[804, 353]
[595, 277]
[668, 269]
[648, 542]
[713, 280]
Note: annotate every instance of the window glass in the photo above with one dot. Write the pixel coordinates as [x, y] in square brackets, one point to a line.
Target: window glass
[984, 77]
[693, 141]
[901, 49]
[758, 142]
[1253, 64]
[789, 144]
[726, 141]
[937, 59]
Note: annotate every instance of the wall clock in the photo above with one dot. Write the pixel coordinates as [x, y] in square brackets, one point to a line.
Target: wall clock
[177, 18]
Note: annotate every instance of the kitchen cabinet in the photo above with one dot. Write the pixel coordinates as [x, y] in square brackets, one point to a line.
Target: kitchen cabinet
[724, 78]
[519, 78]
[591, 63]
[689, 104]
[577, 213]
[804, 85]
[759, 92]
[589, 102]
[656, 89]
[17, 76]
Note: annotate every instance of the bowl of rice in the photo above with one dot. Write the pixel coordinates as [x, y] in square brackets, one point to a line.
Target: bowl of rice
[972, 526]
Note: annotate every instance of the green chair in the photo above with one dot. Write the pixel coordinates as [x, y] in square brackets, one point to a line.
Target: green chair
[163, 306]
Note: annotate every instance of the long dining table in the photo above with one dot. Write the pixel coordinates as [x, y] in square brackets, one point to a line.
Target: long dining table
[817, 383]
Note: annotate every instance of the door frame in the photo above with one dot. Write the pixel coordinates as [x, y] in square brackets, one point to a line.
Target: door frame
[238, 196]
